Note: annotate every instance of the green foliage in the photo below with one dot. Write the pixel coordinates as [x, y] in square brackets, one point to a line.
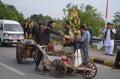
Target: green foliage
[40, 18]
[89, 15]
[59, 25]
[116, 22]
[10, 12]
[44, 19]
[117, 37]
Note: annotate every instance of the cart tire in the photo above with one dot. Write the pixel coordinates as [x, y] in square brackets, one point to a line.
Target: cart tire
[18, 55]
[58, 68]
[89, 74]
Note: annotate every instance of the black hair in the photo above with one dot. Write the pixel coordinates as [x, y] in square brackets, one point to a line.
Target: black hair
[50, 22]
[41, 24]
[67, 22]
[109, 23]
[82, 26]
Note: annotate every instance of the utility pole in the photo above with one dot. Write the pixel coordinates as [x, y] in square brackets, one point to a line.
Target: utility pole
[106, 14]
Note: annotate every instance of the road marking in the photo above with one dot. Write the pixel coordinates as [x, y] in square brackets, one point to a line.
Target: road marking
[12, 69]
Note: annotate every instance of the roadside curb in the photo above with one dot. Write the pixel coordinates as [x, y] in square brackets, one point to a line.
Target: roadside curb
[104, 62]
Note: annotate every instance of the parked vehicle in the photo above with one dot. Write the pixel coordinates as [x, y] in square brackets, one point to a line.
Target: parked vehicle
[11, 32]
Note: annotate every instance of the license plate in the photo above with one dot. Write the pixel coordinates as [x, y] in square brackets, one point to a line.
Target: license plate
[14, 37]
[14, 41]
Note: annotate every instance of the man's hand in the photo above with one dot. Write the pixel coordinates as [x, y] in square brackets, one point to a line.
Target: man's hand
[76, 39]
[112, 26]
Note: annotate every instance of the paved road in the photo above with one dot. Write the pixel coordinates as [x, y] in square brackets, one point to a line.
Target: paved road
[9, 69]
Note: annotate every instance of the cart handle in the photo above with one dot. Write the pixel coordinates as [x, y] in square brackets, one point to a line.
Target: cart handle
[40, 47]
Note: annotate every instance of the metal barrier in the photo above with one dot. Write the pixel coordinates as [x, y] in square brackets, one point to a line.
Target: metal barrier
[97, 40]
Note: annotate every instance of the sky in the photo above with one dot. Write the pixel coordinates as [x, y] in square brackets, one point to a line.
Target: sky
[54, 8]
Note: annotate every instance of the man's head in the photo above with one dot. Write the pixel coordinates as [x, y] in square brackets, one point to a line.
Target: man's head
[67, 24]
[109, 25]
[88, 27]
[51, 24]
[41, 25]
[82, 27]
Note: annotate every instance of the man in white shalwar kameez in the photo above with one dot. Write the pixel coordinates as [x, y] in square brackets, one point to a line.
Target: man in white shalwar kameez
[109, 39]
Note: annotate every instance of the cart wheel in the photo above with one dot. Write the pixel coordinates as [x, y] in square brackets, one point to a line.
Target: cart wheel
[89, 71]
[18, 55]
[58, 68]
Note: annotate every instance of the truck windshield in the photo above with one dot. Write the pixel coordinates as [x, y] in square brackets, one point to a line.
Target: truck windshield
[13, 27]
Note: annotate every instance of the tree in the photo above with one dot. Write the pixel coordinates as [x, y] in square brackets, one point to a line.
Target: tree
[88, 15]
[116, 22]
[10, 12]
[44, 19]
[40, 18]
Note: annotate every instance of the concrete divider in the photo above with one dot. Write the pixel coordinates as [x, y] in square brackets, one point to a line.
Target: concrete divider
[104, 62]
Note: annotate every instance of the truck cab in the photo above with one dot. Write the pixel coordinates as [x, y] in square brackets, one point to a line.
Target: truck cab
[11, 32]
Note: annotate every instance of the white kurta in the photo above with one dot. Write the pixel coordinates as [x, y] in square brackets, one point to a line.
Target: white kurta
[108, 41]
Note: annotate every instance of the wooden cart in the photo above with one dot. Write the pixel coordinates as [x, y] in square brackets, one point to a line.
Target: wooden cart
[61, 62]
[23, 51]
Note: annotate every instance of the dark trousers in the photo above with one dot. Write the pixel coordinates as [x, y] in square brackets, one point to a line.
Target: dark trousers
[39, 57]
[38, 53]
[117, 60]
[85, 51]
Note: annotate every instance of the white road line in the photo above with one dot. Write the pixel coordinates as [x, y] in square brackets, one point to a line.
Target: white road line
[12, 69]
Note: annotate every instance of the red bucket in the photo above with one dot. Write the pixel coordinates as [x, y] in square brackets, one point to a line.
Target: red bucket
[64, 59]
[50, 47]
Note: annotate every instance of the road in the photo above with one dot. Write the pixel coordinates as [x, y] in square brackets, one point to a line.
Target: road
[10, 69]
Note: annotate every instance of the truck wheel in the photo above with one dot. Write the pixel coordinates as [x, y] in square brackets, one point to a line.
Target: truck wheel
[1, 44]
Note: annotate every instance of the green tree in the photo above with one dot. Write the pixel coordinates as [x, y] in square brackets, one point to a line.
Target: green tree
[59, 25]
[40, 18]
[116, 22]
[44, 19]
[89, 15]
[10, 12]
